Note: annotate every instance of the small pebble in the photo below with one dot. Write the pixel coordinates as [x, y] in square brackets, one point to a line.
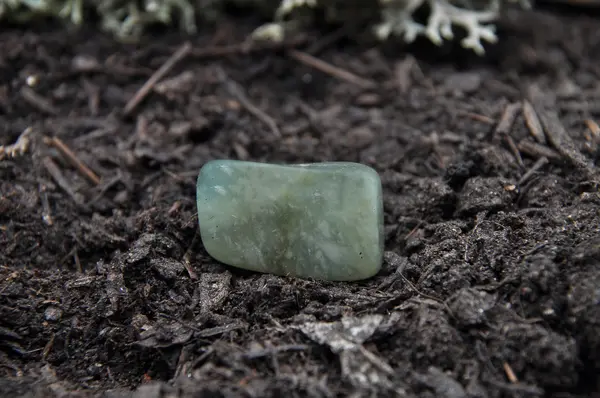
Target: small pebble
[53, 314]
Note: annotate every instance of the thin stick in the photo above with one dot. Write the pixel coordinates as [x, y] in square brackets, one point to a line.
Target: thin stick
[48, 347]
[416, 289]
[60, 179]
[73, 159]
[332, 70]
[593, 127]
[186, 259]
[533, 122]
[507, 119]
[46, 212]
[541, 162]
[156, 76]
[477, 117]
[326, 41]
[558, 137]
[77, 262]
[556, 133]
[235, 90]
[537, 150]
[510, 374]
[245, 48]
[37, 101]
[514, 149]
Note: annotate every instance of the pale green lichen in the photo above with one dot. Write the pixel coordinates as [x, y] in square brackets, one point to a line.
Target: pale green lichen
[442, 16]
[129, 19]
[397, 18]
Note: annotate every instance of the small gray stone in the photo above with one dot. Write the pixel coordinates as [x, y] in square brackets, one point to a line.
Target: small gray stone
[53, 314]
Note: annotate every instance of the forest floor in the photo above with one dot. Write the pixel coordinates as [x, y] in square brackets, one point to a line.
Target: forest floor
[491, 281]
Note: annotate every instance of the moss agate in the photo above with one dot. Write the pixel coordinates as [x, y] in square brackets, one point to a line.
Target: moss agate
[322, 221]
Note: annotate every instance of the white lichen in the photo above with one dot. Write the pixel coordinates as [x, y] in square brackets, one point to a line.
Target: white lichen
[19, 148]
[287, 6]
[129, 19]
[397, 19]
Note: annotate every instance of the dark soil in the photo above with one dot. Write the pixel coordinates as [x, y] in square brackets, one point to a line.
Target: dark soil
[491, 280]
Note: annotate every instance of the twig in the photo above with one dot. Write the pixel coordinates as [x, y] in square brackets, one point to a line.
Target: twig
[533, 122]
[77, 262]
[93, 97]
[240, 151]
[236, 91]
[37, 101]
[246, 48]
[416, 290]
[556, 134]
[60, 179]
[594, 135]
[186, 259]
[327, 41]
[510, 375]
[513, 147]
[156, 76]
[541, 162]
[48, 347]
[537, 151]
[375, 360]
[73, 159]
[403, 73]
[477, 117]
[413, 230]
[507, 119]
[593, 126]
[46, 212]
[332, 70]
[108, 185]
[561, 141]
[177, 205]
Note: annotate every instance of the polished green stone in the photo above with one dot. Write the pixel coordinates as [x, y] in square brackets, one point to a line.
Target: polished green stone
[321, 220]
